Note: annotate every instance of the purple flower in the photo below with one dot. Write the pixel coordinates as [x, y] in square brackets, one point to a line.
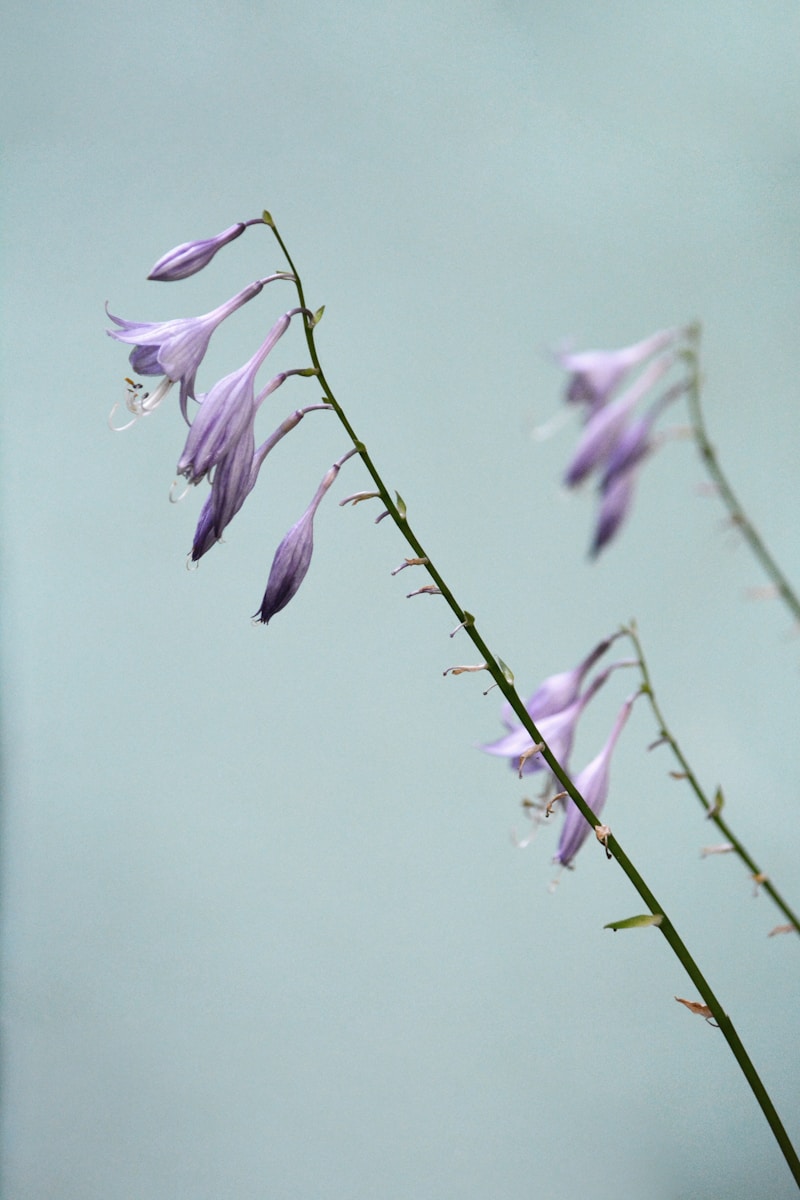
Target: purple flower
[190, 257]
[595, 373]
[617, 497]
[227, 411]
[557, 731]
[235, 477]
[592, 783]
[293, 556]
[557, 691]
[176, 348]
[607, 424]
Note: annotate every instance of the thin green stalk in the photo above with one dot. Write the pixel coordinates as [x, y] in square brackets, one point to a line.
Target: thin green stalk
[729, 498]
[503, 678]
[713, 808]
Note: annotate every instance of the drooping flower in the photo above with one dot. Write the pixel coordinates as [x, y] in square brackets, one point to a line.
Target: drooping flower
[293, 556]
[594, 374]
[176, 348]
[227, 411]
[234, 479]
[592, 783]
[190, 257]
[557, 731]
[607, 424]
[557, 691]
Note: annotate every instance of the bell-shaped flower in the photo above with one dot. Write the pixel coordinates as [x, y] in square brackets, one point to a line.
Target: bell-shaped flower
[176, 348]
[190, 257]
[557, 691]
[592, 783]
[236, 476]
[608, 424]
[557, 732]
[227, 411]
[293, 556]
[594, 374]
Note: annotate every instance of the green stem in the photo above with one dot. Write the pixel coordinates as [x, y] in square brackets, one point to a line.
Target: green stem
[713, 808]
[504, 681]
[738, 515]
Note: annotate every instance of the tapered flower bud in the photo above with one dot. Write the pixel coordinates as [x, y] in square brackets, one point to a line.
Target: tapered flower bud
[190, 257]
[592, 783]
[293, 556]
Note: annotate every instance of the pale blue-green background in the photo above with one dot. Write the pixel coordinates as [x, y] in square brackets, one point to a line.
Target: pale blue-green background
[265, 931]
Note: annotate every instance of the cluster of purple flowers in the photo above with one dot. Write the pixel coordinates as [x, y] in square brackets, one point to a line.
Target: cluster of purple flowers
[220, 447]
[618, 434]
[555, 708]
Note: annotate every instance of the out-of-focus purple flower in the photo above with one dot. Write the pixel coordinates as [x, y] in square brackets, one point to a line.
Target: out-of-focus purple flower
[557, 691]
[176, 348]
[615, 505]
[594, 374]
[293, 556]
[607, 424]
[592, 783]
[227, 411]
[234, 479]
[190, 257]
[557, 731]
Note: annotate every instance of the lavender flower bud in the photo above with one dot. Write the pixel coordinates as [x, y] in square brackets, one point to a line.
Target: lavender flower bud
[190, 257]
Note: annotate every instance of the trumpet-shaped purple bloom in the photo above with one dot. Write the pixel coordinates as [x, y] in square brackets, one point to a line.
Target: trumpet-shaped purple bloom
[293, 556]
[176, 348]
[594, 374]
[607, 424]
[227, 411]
[190, 257]
[235, 477]
[557, 731]
[557, 691]
[592, 783]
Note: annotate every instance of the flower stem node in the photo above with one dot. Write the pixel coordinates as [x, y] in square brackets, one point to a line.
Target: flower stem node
[468, 620]
[603, 833]
[536, 748]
